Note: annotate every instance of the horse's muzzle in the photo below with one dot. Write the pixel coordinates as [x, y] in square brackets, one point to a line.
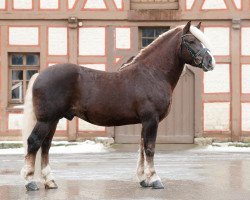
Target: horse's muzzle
[207, 68]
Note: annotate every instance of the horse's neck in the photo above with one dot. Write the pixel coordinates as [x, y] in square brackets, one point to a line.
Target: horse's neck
[174, 70]
[166, 59]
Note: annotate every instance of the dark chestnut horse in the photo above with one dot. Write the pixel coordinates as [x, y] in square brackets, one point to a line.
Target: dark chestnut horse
[140, 92]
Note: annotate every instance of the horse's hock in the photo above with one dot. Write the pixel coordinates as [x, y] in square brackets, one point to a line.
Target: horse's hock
[179, 125]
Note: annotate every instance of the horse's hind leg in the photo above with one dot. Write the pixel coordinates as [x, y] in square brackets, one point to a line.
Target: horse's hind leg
[35, 141]
[49, 181]
[149, 135]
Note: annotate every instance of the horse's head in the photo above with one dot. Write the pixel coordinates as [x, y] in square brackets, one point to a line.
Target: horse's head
[195, 48]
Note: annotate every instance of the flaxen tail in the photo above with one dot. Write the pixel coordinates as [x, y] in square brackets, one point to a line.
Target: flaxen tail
[29, 122]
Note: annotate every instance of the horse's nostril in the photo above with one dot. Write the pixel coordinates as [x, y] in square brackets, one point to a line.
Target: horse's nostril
[210, 61]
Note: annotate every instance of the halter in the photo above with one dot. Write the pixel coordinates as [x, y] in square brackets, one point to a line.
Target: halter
[195, 54]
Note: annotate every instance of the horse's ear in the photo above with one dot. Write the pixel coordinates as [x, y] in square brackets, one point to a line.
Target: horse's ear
[186, 28]
[199, 25]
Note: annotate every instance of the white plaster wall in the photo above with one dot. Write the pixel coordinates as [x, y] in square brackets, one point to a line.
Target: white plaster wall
[92, 41]
[245, 41]
[58, 41]
[22, 4]
[51, 64]
[118, 4]
[85, 126]
[217, 116]
[95, 4]
[117, 59]
[217, 80]
[245, 116]
[15, 121]
[49, 4]
[62, 125]
[2, 4]
[219, 39]
[98, 66]
[245, 78]
[237, 3]
[189, 4]
[122, 38]
[214, 4]
[23, 35]
[71, 3]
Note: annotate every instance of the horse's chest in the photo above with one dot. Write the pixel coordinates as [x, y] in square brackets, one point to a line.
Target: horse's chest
[163, 104]
[165, 110]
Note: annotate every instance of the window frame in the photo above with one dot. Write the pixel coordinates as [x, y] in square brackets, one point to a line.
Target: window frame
[154, 5]
[151, 27]
[24, 68]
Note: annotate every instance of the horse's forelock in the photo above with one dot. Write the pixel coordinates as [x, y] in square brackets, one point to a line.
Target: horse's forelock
[204, 40]
[200, 36]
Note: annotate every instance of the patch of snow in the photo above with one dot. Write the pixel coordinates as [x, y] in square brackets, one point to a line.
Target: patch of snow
[66, 148]
[80, 147]
[12, 151]
[10, 142]
[226, 147]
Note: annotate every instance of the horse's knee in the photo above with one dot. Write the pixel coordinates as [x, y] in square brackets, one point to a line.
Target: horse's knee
[37, 136]
[149, 152]
[34, 143]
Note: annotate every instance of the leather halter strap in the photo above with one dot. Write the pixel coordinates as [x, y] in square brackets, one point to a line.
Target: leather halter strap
[201, 53]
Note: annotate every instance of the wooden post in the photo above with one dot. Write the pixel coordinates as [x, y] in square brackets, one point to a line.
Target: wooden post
[72, 42]
[235, 80]
[4, 80]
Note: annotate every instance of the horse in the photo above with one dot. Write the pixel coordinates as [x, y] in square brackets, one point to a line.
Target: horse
[140, 92]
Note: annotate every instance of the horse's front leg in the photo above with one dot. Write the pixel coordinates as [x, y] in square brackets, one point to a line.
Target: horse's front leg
[140, 164]
[149, 137]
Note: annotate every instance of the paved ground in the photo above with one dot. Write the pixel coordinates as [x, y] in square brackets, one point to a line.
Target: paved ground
[188, 173]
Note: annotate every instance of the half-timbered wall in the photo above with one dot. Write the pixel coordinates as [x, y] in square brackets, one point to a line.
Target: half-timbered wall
[103, 34]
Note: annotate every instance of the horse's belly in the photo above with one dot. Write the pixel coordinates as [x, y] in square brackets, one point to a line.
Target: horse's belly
[109, 117]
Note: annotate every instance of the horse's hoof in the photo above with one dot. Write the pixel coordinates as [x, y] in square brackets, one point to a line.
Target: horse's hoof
[144, 183]
[157, 185]
[32, 186]
[51, 185]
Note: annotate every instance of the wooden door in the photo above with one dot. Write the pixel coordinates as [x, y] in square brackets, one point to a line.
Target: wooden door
[178, 126]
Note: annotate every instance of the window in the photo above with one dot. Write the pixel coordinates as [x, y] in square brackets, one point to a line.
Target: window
[154, 4]
[149, 34]
[21, 68]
